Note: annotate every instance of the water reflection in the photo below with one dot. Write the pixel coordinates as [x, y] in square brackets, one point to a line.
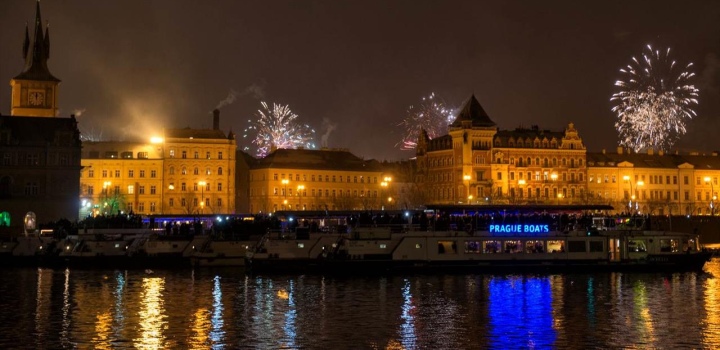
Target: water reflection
[520, 312]
[227, 309]
[152, 315]
[407, 328]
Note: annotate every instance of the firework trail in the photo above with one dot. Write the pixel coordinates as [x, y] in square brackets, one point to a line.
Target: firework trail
[278, 127]
[654, 100]
[430, 114]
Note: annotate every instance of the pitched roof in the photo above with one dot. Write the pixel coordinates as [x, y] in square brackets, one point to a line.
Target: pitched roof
[187, 133]
[644, 160]
[473, 111]
[324, 159]
[38, 131]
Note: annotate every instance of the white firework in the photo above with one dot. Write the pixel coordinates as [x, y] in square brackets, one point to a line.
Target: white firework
[431, 114]
[277, 127]
[654, 101]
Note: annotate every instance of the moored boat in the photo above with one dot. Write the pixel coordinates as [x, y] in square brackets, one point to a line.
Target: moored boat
[485, 239]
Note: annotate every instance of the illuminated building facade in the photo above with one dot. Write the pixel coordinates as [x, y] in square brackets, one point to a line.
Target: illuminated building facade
[188, 171]
[655, 182]
[39, 152]
[477, 163]
[327, 179]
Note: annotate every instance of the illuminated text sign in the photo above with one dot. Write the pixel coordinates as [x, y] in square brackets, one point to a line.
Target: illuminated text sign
[519, 228]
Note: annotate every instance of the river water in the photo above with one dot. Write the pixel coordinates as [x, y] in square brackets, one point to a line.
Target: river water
[227, 308]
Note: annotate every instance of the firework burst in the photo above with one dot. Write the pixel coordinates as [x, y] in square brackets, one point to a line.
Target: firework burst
[278, 127]
[654, 101]
[431, 114]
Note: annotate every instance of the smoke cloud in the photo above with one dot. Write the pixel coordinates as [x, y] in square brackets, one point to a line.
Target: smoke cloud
[255, 90]
[329, 127]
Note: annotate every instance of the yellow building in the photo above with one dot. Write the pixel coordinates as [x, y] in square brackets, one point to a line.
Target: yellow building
[199, 167]
[655, 182]
[300, 179]
[121, 177]
[188, 171]
[477, 163]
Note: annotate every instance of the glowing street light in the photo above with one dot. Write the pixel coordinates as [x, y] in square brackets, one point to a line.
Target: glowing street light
[202, 195]
[285, 182]
[300, 188]
[712, 195]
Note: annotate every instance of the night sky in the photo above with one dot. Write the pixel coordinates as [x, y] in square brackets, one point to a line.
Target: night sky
[135, 66]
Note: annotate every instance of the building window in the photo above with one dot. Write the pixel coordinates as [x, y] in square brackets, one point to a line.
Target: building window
[141, 207]
[219, 202]
[184, 154]
[141, 189]
[172, 170]
[153, 189]
[219, 186]
[152, 207]
[195, 186]
[131, 189]
[196, 155]
[142, 155]
[142, 173]
[183, 171]
[183, 202]
[196, 171]
[172, 153]
[183, 187]
[207, 155]
[207, 171]
[220, 155]
[104, 173]
[153, 173]
[31, 189]
[131, 173]
[91, 173]
[171, 202]
[90, 190]
[117, 173]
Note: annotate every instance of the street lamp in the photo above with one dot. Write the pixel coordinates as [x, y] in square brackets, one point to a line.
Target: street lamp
[467, 178]
[285, 182]
[559, 196]
[202, 195]
[300, 188]
[637, 186]
[712, 195]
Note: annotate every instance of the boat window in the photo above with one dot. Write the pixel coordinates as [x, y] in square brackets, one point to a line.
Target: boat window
[513, 247]
[596, 246]
[576, 247]
[448, 247]
[669, 245]
[534, 246]
[472, 247]
[492, 247]
[637, 245]
[556, 246]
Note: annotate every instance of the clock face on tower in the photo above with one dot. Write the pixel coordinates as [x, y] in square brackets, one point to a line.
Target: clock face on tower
[36, 98]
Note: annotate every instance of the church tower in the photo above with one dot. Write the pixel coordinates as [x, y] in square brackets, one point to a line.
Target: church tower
[35, 90]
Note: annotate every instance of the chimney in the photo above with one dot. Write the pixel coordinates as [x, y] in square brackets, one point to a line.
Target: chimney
[216, 119]
[620, 150]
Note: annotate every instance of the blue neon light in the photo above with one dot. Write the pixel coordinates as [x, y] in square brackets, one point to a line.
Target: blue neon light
[519, 228]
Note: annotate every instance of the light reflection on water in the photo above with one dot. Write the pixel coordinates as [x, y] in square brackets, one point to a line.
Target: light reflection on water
[225, 308]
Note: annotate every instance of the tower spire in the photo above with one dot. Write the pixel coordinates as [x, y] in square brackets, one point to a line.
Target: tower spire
[26, 43]
[36, 60]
